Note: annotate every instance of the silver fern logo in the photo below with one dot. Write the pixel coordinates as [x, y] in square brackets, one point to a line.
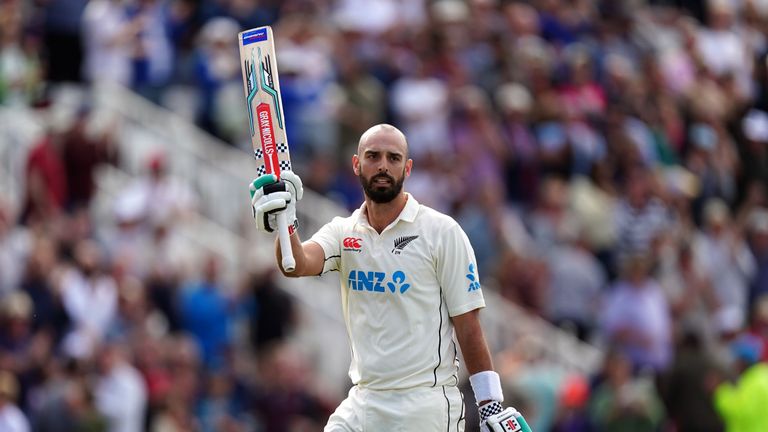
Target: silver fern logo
[402, 242]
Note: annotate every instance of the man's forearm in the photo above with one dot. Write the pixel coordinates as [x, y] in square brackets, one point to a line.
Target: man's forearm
[474, 348]
[298, 254]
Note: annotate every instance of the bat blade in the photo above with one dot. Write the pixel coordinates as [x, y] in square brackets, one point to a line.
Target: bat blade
[264, 103]
[265, 114]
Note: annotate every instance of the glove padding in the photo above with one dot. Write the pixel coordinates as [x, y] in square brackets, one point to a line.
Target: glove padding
[270, 197]
[495, 418]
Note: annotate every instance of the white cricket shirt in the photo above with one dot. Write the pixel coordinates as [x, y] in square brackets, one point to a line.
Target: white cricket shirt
[398, 290]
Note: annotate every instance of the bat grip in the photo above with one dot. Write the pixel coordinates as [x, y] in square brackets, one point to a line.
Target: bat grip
[289, 263]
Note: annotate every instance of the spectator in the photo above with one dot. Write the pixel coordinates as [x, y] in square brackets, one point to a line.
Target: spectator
[83, 150]
[46, 181]
[217, 74]
[107, 36]
[176, 417]
[120, 392]
[520, 165]
[742, 404]
[684, 387]
[284, 399]
[89, 297]
[550, 220]
[593, 201]
[22, 350]
[69, 408]
[158, 196]
[623, 402]
[275, 315]
[20, 69]
[724, 255]
[222, 408]
[477, 138]
[691, 296]
[306, 84]
[63, 36]
[640, 216]
[363, 100]
[758, 241]
[15, 245]
[175, 413]
[636, 318]
[753, 152]
[166, 268]
[150, 47]
[12, 419]
[759, 323]
[420, 105]
[576, 285]
[205, 312]
[151, 362]
[573, 415]
[722, 50]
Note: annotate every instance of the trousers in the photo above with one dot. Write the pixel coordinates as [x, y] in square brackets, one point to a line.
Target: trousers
[420, 409]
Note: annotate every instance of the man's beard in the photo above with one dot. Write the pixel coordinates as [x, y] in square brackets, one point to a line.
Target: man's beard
[382, 194]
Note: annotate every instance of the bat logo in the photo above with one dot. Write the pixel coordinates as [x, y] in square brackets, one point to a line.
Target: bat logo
[257, 35]
[267, 135]
[268, 85]
[250, 78]
[250, 81]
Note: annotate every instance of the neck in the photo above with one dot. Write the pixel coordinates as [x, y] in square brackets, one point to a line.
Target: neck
[380, 215]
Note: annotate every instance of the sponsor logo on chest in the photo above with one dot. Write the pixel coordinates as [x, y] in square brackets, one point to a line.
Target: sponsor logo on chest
[378, 282]
[352, 244]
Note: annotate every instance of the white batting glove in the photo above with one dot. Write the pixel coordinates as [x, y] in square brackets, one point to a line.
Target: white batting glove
[495, 418]
[270, 197]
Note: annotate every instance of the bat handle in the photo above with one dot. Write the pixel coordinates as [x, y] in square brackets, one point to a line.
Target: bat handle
[289, 263]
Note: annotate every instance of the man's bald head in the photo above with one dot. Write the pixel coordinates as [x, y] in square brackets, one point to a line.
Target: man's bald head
[382, 163]
[380, 130]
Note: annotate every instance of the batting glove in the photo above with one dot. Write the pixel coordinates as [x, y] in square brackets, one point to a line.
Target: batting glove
[270, 197]
[495, 418]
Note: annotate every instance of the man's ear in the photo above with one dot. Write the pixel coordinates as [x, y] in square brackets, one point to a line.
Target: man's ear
[408, 167]
[356, 164]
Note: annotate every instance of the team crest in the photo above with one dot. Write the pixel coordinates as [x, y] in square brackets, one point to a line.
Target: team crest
[401, 243]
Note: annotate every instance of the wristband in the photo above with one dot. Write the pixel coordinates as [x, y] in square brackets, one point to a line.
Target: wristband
[487, 386]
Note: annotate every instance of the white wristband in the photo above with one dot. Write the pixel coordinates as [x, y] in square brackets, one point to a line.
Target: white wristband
[487, 386]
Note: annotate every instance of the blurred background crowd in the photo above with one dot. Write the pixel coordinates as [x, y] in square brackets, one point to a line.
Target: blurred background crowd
[607, 159]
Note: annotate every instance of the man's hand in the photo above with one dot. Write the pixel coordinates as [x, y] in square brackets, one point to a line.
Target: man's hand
[495, 418]
[270, 197]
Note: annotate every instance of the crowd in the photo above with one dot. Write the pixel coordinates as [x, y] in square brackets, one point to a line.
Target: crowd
[607, 159]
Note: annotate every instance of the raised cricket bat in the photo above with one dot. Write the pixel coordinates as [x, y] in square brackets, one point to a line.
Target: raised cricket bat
[265, 112]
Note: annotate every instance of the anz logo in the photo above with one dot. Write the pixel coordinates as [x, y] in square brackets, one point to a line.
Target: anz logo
[474, 284]
[378, 281]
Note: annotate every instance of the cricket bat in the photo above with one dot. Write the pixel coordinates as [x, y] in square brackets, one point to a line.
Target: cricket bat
[265, 113]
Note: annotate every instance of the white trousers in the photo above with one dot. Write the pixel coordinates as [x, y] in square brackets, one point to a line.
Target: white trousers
[421, 409]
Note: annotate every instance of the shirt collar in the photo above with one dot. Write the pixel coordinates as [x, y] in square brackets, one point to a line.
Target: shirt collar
[408, 214]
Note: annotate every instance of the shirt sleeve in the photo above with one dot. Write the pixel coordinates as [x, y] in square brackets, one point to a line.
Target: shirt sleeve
[457, 271]
[328, 239]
